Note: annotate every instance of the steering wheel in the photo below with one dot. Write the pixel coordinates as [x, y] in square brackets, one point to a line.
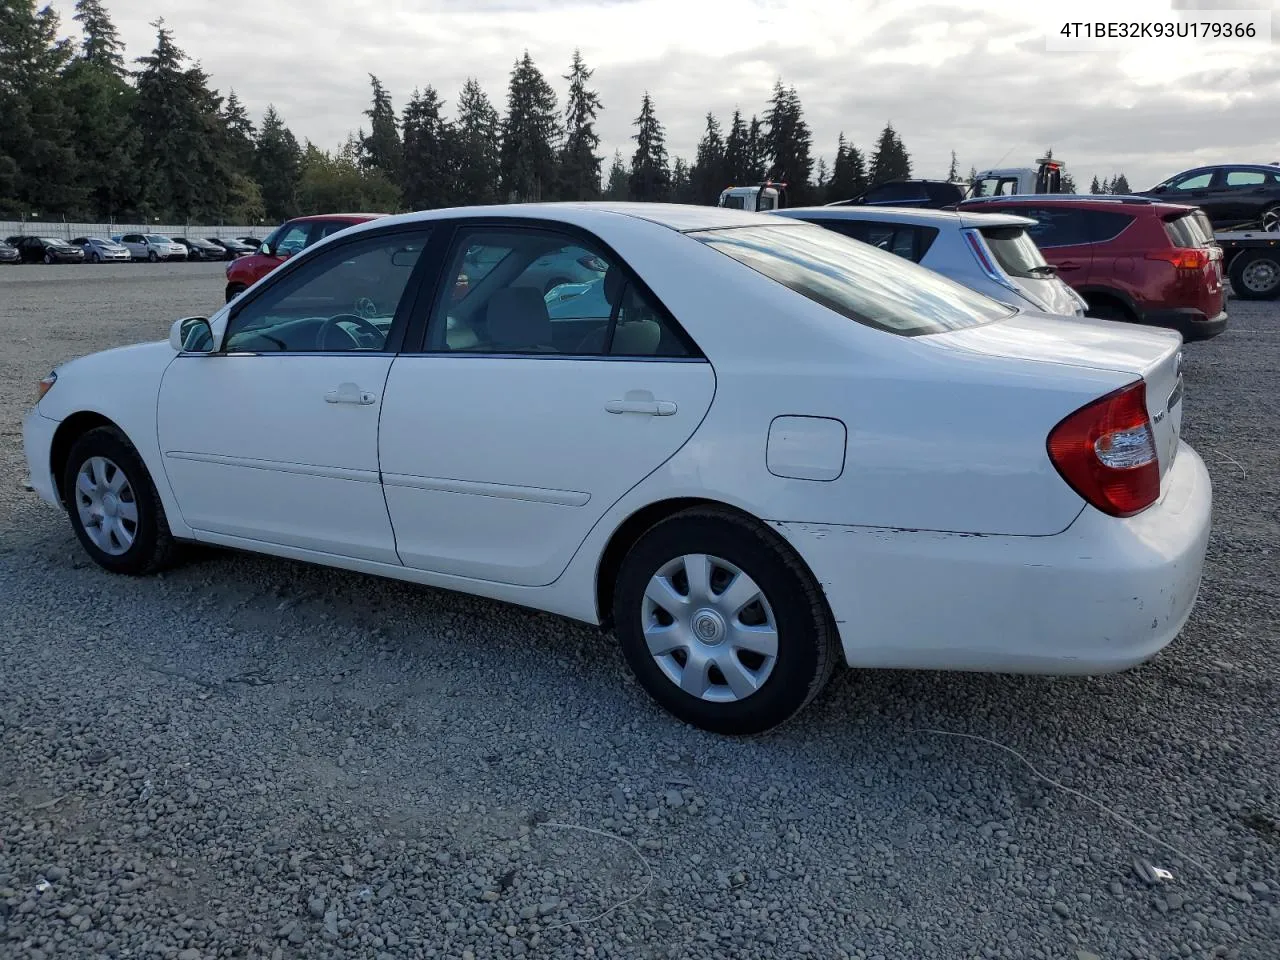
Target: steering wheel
[322, 334]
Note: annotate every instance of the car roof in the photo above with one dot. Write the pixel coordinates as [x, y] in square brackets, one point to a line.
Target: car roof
[914, 215]
[353, 217]
[1085, 200]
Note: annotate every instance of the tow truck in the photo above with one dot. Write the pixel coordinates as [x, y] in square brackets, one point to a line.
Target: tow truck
[1045, 177]
[1252, 260]
[768, 195]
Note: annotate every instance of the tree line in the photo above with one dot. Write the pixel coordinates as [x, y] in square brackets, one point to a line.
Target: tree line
[84, 134]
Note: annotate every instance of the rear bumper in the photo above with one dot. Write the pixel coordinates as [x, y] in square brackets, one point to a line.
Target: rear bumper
[1191, 323]
[1103, 596]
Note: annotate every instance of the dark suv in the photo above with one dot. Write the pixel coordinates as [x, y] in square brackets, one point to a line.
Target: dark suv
[1131, 258]
[1233, 195]
[929, 194]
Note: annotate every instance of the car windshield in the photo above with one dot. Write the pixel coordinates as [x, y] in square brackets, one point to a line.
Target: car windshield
[53, 241]
[156, 238]
[1016, 252]
[856, 280]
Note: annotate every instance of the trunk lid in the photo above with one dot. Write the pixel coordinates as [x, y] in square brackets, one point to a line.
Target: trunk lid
[1153, 354]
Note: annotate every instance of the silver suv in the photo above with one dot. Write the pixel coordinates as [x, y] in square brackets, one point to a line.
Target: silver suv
[151, 246]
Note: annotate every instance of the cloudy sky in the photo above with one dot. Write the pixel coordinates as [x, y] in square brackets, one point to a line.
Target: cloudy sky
[974, 77]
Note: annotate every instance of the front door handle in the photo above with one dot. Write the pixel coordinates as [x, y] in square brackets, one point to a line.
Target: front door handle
[350, 393]
[651, 408]
[1070, 265]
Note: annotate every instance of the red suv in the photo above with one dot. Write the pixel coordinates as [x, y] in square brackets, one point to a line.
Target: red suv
[1130, 258]
[283, 242]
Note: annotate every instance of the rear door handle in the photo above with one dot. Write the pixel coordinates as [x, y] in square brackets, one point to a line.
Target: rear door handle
[1070, 265]
[651, 408]
[350, 393]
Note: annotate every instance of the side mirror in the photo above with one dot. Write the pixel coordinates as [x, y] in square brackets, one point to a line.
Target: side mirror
[1158, 189]
[191, 335]
[265, 249]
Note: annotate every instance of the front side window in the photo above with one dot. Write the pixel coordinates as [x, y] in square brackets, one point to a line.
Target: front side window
[344, 300]
[498, 301]
[293, 239]
[1199, 182]
[867, 285]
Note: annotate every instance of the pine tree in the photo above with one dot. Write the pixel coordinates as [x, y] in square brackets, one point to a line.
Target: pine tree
[277, 164]
[821, 185]
[37, 154]
[787, 143]
[477, 132]
[890, 160]
[756, 152]
[530, 132]
[707, 176]
[617, 186]
[848, 172]
[1121, 186]
[1108, 186]
[650, 176]
[101, 44]
[1068, 183]
[428, 153]
[382, 148]
[240, 133]
[340, 181]
[579, 163]
[681, 182]
[737, 158]
[953, 173]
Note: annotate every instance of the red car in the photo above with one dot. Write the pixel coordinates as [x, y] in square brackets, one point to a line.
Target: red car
[1131, 259]
[283, 242]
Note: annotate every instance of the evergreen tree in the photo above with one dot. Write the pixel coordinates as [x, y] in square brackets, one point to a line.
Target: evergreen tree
[579, 164]
[1068, 183]
[101, 106]
[1095, 187]
[650, 175]
[1108, 186]
[101, 44]
[737, 159]
[37, 156]
[848, 172]
[382, 148]
[953, 173]
[617, 186]
[787, 142]
[529, 134]
[820, 192]
[429, 161]
[477, 133]
[973, 175]
[277, 166]
[681, 182]
[757, 153]
[240, 133]
[707, 177]
[890, 160]
[342, 181]
[1121, 185]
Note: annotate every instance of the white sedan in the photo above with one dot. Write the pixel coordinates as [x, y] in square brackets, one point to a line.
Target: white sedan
[765, 448]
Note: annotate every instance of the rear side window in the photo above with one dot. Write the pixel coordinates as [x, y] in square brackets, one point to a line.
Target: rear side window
[855, 280]
[1016, 252]
[1246, 178]
[1056, 226]
[1185, 231]
[911, 242]
[1105, 225]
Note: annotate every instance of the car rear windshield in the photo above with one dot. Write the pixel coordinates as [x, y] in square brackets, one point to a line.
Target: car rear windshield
[1185, 230]
[857, 281]
[156, 238]
[1016, 252]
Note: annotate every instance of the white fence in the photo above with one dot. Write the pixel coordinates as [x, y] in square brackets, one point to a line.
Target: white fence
[69, 231]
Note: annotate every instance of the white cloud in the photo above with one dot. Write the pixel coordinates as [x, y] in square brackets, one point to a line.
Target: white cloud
[970, 76]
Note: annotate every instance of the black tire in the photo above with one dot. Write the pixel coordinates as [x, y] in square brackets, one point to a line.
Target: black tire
[234, 290]
[153, 257]
[153, 546]
[48, 258]
[807, 640]
[1109, 311]
[1250, 272]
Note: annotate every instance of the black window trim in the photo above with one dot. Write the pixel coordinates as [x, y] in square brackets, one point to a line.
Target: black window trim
[421, 321]
[409, 299]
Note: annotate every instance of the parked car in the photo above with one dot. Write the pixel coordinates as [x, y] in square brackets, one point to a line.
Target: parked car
[987, 252]
[776, 448]
[284, 242]
[933, 194]
[45, 250]
[198, 249]
[1132, 258]
[252, 242]
[1231, 195]
[9, 253]
[151, 246]
[102, 250]
[232, 248]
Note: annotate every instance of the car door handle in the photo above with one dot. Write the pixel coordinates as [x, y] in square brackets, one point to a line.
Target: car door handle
[350, 393]
[1070, 265]
[651, 408]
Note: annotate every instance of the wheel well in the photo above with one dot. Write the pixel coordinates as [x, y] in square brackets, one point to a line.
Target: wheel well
[1100, 298]
[64, 438]
[640, 522]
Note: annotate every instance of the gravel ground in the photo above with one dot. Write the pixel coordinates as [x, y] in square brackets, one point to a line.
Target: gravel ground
[249, 757]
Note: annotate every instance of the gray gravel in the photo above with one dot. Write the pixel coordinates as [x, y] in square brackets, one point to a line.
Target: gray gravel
[254, 758]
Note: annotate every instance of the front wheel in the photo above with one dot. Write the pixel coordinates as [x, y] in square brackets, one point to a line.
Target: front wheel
[113, 505]
[1271, 219]
[153, 256]
[48, 258]
[721, 623]
[1255, 274]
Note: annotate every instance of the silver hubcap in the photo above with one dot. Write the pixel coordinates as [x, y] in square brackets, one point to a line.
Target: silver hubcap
[709, 628]
[106, 505]
[1260, 276]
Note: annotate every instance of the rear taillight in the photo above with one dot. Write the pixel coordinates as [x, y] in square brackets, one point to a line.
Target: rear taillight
[1184, 258]
[1106, 451]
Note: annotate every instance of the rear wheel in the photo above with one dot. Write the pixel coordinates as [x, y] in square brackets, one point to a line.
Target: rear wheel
[114, 508]
[1255, 274]
[721, 623]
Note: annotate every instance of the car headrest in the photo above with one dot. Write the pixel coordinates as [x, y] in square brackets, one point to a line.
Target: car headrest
[614, 282]
[517, 317]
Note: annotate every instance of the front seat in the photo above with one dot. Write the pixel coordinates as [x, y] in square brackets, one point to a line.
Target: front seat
[517, 322]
